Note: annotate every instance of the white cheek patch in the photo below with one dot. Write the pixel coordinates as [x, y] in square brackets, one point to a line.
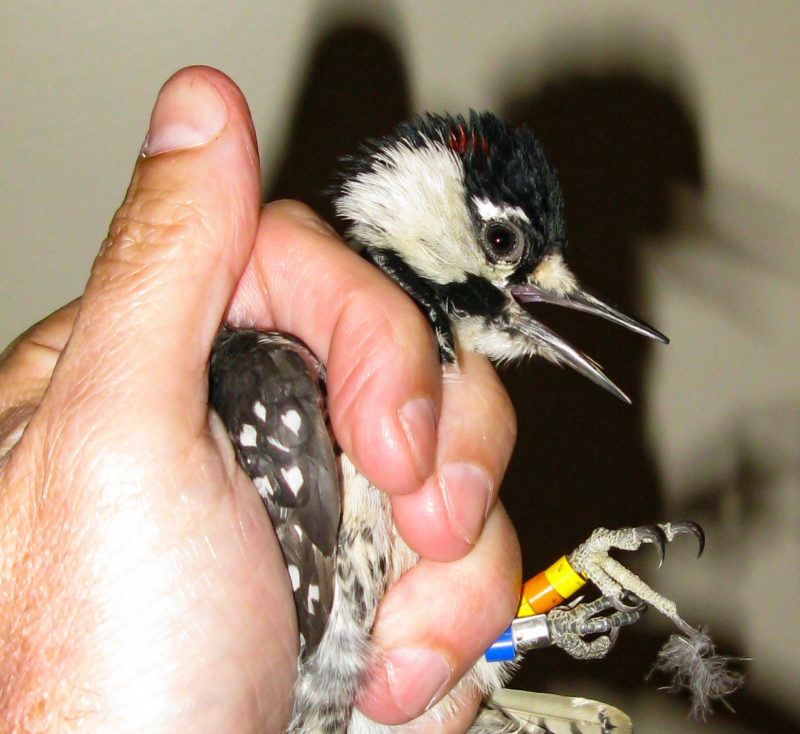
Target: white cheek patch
[488, 210]
[552, 274]
[414, 202]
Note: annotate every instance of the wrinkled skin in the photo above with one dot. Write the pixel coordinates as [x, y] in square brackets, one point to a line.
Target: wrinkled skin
[142, 586]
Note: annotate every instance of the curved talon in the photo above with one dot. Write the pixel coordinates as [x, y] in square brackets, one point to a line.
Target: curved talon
[633, 599]
[613, 636]
[691, 527]
[621, 606]
[593, 562]
[683, 625]
[654, 534]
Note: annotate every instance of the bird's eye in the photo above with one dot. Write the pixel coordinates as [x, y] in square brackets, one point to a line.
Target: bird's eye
[503, 241]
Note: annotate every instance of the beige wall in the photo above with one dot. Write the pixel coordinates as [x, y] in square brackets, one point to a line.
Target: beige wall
[708, 102]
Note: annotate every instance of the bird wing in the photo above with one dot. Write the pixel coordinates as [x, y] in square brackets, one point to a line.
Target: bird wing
[268, 389]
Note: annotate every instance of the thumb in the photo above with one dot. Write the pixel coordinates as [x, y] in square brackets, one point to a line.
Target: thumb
[174, 253]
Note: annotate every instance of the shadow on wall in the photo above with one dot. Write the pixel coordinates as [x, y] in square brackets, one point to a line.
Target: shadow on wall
[355, 88]
[621, 142]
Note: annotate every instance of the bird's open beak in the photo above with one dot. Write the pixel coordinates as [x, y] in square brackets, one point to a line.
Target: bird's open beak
[579, 299]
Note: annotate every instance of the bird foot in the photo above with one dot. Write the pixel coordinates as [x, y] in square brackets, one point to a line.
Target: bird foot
[612, 578]
[570, 625]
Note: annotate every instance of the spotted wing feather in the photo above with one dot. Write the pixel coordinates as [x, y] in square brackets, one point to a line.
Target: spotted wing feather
[268, 390]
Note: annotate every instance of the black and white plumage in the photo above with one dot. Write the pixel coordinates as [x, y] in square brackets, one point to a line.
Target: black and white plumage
[268, 390]
[466, 214]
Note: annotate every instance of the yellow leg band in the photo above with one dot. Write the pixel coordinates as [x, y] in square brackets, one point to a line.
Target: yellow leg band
[563, 578]
[525, 609]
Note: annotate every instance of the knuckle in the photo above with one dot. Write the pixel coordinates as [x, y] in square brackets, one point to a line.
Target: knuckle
[378, 349]
[155, 224]
[148, 231]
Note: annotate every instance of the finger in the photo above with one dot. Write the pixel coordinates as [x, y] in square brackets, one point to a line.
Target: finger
[175, 249]
[438, 619]
[26, 367]
[443, 519]
[455, 722]
[384, 378]
[27, 363]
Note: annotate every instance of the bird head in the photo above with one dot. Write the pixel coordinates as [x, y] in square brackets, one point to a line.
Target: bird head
[467, 215]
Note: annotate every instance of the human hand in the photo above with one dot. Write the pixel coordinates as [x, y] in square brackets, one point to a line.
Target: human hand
[142, 586]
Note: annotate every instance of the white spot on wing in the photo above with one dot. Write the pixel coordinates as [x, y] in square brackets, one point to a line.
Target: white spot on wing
[294, 575]
[293, 477]
[263, 486]
[291, 419]
[247, 436]
[277, 444]
[313, 595]
[260, 410]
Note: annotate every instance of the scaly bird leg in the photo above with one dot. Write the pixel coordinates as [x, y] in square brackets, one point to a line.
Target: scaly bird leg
[569, 625]
[541, 621]
[591, 559]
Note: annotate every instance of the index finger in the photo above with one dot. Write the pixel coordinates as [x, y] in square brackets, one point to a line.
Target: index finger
[384, 376]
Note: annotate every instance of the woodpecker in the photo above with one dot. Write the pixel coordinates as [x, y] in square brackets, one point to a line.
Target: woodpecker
[466, 214]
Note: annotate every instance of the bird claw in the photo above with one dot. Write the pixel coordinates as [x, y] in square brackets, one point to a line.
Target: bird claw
[653, 534]
[612, 578]
[686, 527]
[568, 627]
[660, 535]
[618, 603]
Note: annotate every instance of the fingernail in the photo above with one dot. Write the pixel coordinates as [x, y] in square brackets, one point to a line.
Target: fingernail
[467, 491]
[189, 112]
[418, 418]
[417, 678]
